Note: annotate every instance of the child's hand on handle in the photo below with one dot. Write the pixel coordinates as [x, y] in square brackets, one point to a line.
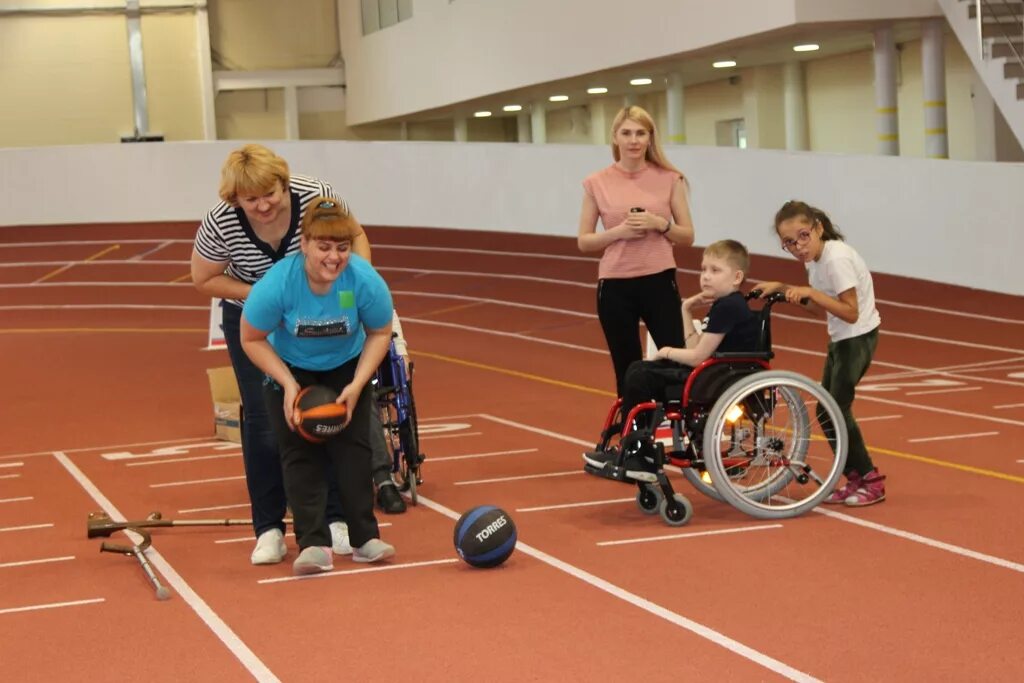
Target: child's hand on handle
[799, 295]
[768, 288]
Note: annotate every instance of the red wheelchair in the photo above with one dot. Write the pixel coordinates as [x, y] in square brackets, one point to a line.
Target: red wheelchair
[771, 443]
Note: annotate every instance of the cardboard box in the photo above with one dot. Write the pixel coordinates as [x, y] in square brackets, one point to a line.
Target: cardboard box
[227, 404]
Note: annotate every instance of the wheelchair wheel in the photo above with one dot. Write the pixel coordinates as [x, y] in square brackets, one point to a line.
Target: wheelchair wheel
[675, 512]
[766, 455]
[409, 441]
[648, 499]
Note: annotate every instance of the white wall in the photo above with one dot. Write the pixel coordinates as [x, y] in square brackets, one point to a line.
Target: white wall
[481, 47]
[949, 221]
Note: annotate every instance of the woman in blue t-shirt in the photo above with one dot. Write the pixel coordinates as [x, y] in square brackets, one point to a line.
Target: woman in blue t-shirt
[322, 316]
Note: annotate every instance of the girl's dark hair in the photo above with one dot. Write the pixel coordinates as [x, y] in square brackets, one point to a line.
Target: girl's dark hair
[798, 209]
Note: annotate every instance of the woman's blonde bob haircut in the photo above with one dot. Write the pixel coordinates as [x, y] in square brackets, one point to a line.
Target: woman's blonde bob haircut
[251, 171]
[654, 154]
[327, 218]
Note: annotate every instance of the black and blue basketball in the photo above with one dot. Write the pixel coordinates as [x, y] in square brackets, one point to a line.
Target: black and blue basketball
[485, 536]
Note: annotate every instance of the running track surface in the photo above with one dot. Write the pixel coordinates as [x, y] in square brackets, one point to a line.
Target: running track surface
[107, 407]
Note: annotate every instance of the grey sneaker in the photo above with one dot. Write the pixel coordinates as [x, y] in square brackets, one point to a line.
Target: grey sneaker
[373, 550]
[270, 548]
[339, 538]
[313, 560]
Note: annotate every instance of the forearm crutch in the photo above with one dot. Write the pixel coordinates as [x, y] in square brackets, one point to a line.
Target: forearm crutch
[100, 523]
[138, 550]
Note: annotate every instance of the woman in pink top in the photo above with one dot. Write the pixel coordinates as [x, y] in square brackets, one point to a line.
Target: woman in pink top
[641, 200]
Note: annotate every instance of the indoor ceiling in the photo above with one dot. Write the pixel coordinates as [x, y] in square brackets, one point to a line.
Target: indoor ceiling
[694, 66]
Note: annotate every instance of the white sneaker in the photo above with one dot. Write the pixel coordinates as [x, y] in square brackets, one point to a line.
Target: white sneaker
[269, 548]
[339, 538]
[373, 550]
[313, 560]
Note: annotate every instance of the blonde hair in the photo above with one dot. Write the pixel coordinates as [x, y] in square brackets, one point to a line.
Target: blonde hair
[654, 154]
[326, 218]
[251, 170]
[733, 252]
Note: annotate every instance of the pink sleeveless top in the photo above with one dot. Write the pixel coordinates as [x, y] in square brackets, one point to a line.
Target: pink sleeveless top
[616, 191]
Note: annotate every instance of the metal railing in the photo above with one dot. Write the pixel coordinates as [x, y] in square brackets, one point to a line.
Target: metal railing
[1009, 18]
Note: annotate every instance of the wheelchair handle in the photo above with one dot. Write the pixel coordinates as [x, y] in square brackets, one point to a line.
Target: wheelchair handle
[774, 297]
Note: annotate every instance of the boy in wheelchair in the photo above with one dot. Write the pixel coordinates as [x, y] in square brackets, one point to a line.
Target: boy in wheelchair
[730, 326]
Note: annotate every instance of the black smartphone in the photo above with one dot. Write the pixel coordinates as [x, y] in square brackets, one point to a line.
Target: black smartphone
[637, 209]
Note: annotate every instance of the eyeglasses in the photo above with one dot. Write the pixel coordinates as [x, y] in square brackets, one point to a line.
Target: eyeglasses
[326, 205]
[801, 238]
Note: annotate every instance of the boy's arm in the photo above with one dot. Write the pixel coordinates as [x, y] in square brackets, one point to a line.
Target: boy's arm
[691, 333]
[701, 351]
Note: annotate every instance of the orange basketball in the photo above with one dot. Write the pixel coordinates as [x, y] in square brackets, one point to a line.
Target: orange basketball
[319, 417]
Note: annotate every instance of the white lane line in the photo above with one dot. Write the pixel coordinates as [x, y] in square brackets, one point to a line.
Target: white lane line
[942, 411]
[139, 257]
[519, 478]
[16, 500]
[1009, 405]
[924, 540]
[483, 455]
[214, 507]
[239, 649]
[12, 464]
[45, 560]
[692, 534]
[657, 610]
[173, 460]
[879, 417]
[195, 481]
[51, 605]
[427, 437]
[65, 243]
[952, 436]
[362, 570]
[444, 417]
[589, 503]
[250, 538]
[181, 449]
[92, 307]
[942, 391]
[26, 527]
[979, 365]
[103, 448]
[9, 476]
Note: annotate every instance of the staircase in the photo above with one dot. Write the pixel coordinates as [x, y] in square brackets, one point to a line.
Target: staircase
[994, 41]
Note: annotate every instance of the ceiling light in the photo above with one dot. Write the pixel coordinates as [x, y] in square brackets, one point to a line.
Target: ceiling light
[640, 81]
[596, 91]
[558, 98]
[481, 114]
[512, 107]
[724, 64]
[809, 47]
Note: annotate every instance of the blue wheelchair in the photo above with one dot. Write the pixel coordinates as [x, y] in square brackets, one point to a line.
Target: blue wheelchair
[392, 390]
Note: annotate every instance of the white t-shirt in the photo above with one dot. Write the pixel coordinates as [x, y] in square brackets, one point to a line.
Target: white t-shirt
[838, 269]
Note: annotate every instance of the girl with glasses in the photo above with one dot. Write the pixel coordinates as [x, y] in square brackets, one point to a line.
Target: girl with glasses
[841, 286]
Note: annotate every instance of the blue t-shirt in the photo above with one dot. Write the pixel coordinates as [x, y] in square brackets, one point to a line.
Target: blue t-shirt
[313, 331]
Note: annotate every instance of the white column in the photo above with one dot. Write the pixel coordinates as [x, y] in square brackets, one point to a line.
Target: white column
[522, 127]
[933, 67]
[675, 130]
[538, 123]
[886, 119]
[291, 112]
[598, 123]
[205, 63]
[461, 129]
[629, 100]
[795, 106]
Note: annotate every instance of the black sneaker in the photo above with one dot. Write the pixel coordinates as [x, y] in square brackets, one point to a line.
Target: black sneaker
[389, 499]
[639, 468]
